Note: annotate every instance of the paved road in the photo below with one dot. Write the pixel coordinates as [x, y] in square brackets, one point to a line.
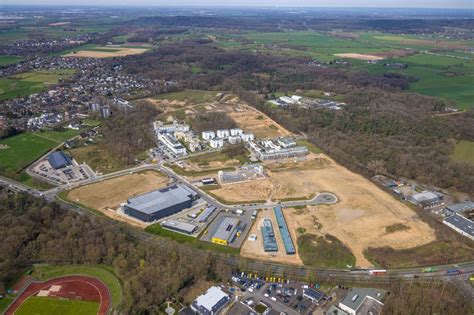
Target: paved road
[261, 267]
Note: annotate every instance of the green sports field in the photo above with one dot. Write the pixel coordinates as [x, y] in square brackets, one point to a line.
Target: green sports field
[8, 60]
[32, 82]
[19, 151]
[53, 306]
[101, 272]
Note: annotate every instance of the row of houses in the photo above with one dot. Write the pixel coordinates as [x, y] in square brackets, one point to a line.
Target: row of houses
[232, 136]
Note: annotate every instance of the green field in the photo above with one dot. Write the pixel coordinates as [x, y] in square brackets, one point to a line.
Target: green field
[325, 252]
[104, 273]
[32, 82]
[157, 229]
[8, 60]
[464, 152]
[4, 303]
[23, 149]
[36, 305]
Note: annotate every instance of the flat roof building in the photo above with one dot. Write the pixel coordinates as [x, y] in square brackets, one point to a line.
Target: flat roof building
[359, 299]
[312, 294]
[211, 302]
[59, 160]
[285, 233]
[426, 199]
[461, 207]
[461, 225]
[226, 231]
[160, 203]
[178, 226]
[268, 236]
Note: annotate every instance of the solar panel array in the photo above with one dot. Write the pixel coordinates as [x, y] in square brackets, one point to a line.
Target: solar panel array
[285, 233]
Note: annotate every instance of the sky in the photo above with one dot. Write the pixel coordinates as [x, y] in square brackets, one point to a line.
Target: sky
[457, 4]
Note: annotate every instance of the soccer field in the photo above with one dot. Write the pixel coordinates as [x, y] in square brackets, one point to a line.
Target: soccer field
[51, 306]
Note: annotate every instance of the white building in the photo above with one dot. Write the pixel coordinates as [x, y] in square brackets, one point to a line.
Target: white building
[461, 225]
[211, 302]
[246, 137]
[288, 100]
[363, 301]
[216, 143]
[223, 133]
[236, 132]
[194, 146]
[171, 143]
[234, 139]
[286, 143]
[208, 135]
[296, 98]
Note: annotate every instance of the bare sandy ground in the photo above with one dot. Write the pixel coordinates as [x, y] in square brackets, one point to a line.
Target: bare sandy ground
[251, 120]
[123, 51]
[359, 218]
[255, 249]
[111, 193]
[359, 56]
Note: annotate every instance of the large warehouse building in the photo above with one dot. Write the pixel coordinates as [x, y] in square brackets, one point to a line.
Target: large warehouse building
[226, 232]
[160, 203]
[59, 160]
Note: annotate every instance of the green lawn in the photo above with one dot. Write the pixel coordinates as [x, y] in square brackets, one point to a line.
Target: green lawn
[157, 229]
[23, 149]
[104, 273]
[325, 252]
[4, 303]
[8, 60]
[32, 82]
[464, 152]
[52, 306]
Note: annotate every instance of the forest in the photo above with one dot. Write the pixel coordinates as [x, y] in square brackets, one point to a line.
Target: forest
[384, 128]
[33, 231]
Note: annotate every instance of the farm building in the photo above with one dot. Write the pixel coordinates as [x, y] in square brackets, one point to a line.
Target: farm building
[59, 160]
[363, 301]
[243, 174]
[268, 236]
[181, 227]
[285, 233]
[160, 203]
[461, 225]
[226, 232]
[211, 302]
[427, 199]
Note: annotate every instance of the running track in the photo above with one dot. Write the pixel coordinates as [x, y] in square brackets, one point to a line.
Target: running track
[99, 289]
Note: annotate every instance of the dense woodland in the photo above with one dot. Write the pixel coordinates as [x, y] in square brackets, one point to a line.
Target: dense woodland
[33, 231]
[383, 129]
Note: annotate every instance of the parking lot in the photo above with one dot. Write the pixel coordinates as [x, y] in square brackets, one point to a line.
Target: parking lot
[244, 217]
[69, 174]
[283, 296]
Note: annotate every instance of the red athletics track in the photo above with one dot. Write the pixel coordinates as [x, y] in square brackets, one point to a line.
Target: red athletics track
[72, 287]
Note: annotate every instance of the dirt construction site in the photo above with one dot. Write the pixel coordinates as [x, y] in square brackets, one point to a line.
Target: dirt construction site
[359, 219]
[107, 196]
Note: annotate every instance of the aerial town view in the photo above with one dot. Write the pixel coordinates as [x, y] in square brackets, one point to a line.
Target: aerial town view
[240, 158]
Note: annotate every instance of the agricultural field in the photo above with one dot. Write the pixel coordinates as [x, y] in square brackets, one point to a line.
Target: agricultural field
[449, 75]
[32, 82]
[8, 60]
[53, 306]
[94, 51]
[21, 150]
[464, 152]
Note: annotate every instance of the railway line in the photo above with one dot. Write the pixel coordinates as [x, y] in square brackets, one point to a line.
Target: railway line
[258, 267]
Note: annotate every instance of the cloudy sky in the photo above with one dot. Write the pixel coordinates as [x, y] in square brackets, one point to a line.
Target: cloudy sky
[463, 4]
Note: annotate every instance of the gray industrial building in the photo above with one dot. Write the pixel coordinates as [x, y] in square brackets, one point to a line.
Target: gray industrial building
[461, 225]
[160, 203]
[363, 301]
[268, 236]
[427, 199]
[59, 160]
[181, 227]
